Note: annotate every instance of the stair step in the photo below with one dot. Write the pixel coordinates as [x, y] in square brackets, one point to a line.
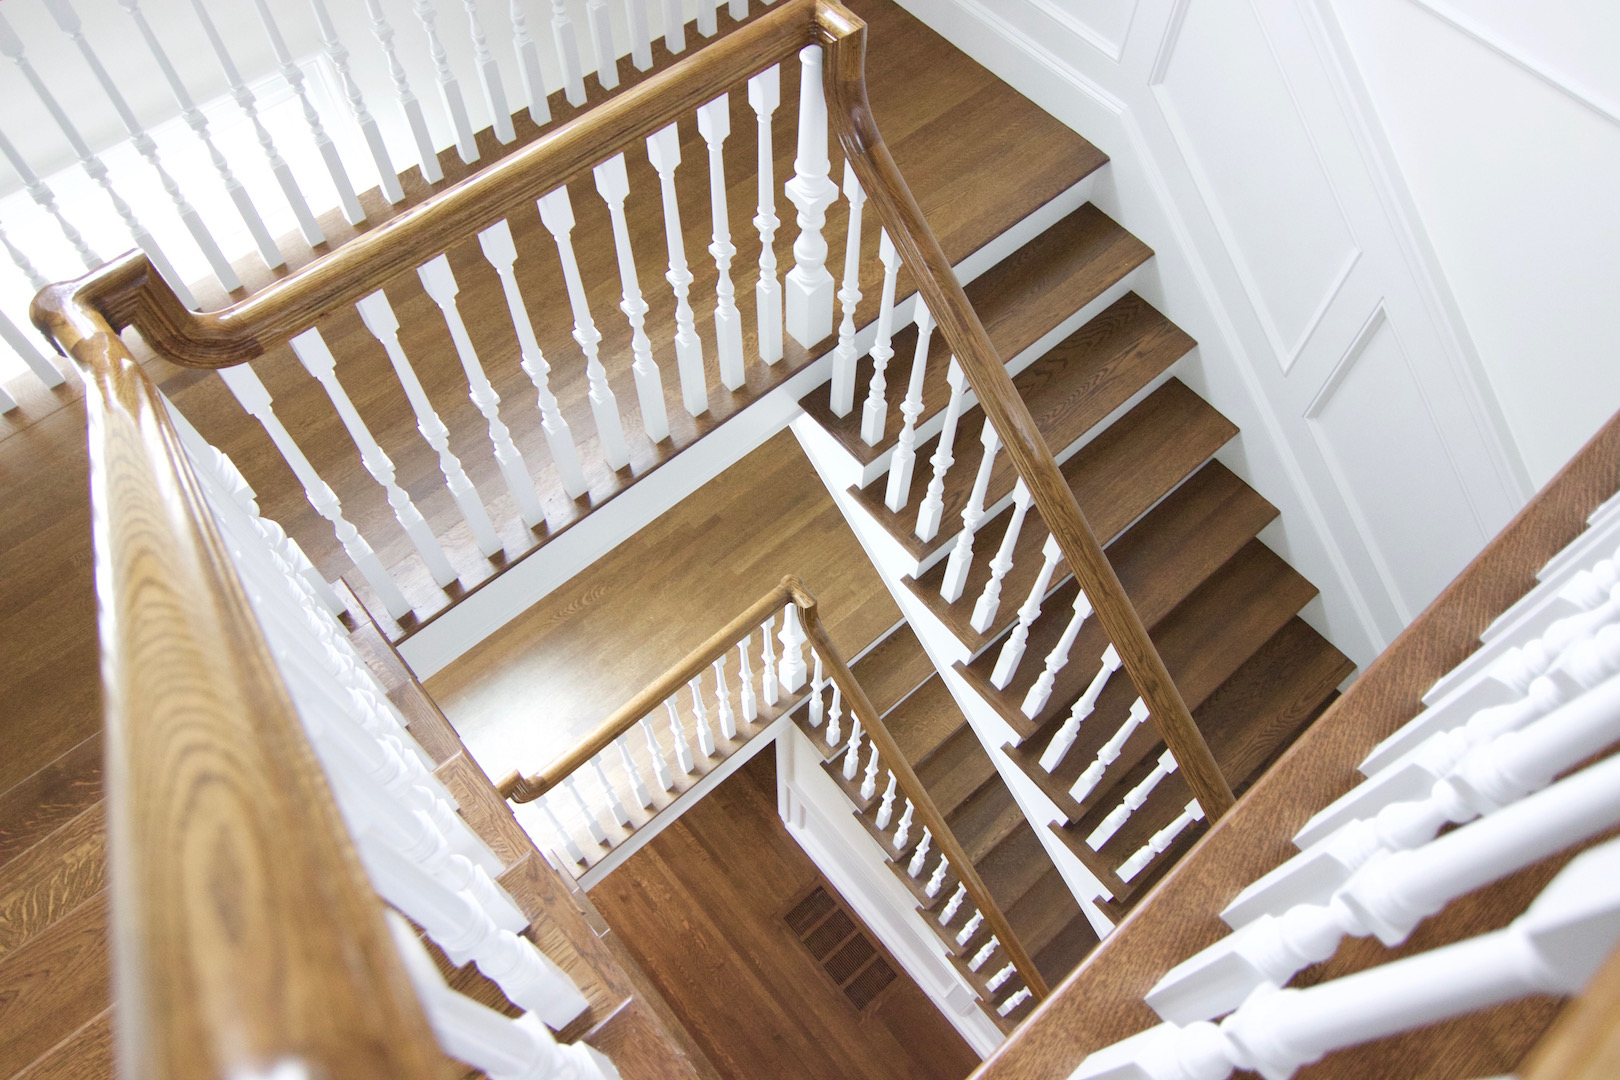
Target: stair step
[52, 878]
[87, 1054]
[1256, 714]
[54, 985]
[1019, 300]
[1069, 391]
[1015, 867]
[43, 802]
[925, 720]
[986, 818]
[1208, 636]
[892, 669]
[1043, 914]
[955, 770]
[1065, 952]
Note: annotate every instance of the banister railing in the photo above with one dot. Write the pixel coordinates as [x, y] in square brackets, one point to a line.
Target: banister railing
[801, 626]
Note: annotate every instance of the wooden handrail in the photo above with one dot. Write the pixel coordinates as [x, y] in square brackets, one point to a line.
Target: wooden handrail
[925, 810]
[886, 190]
[130, 294]
[244, 932]
[523, 789]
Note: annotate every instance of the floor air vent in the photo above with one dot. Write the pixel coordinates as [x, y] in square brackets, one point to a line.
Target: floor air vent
[840, 945]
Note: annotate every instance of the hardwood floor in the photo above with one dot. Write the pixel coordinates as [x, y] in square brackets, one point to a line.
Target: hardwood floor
[532, 688]
[698, 908]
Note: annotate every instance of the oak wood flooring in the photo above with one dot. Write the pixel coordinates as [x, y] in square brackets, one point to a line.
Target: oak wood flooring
[698, 906]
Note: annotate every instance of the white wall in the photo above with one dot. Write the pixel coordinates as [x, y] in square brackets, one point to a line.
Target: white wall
[1504, 122]
[1405, 329]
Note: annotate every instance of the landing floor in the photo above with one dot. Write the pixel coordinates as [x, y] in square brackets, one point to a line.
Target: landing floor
[527, 692]
[698, 908]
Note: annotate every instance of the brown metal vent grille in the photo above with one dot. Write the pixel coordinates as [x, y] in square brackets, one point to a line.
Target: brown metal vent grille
[839, 944]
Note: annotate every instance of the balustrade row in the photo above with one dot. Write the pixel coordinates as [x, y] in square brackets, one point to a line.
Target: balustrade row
[1512, 763]
[327, 134]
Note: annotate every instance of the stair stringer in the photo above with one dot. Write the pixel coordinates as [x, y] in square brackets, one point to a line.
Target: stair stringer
[944, 649]
[476, 617]
[820, 818]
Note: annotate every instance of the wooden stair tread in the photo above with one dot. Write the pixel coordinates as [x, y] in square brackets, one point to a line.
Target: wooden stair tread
[1065, 952]
[955, 770]
[43, 802]
[1208, 636]
[1042, 913]
[924, 720]
[986, 818]
[1014, 867]
[55, 984]
[52, 878]
[1073, 387]
[83, 1055]
[1160, 561]
[892, 669]
[1018, 300]
[933, 106]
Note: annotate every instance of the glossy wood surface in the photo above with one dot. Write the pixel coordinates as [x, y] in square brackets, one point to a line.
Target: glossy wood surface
[698, 908]
[1102, 1002]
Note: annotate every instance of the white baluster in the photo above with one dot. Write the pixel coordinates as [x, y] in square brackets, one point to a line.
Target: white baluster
[615, 806]
[23, 346]
[817, 684]
[440, 284]
[1041, 692]
[706, 22]
[68, 20]
[569, 844]
[791, 671]
[869, 778]
[1012, 651]
[843, 361]
[614, 185]
[1160, 841]
[875, 410]
[683, 751]
[496, 242]
[767, 672]
[7, 402]
[809, 290]
[984, 612]
[635, 17]
[42, 195]
[347, 201]
[835, 711]
[449, 88]
[886, 807]
[738, 9]
[953, 905]
[489, 76]
[937, 880]
[933, 504]
[378, 315]
[674, 27]
[970, 928]
[919, 857]
[1132, 802]
[409, 104]
[986, 951]
[1109, 753]
[664, 151]
[852, 749]
[601, 28]
[904, 459]
[338, 54]
[764, 95]
[660, 764]
[529, 71]
[714, 124]
[999, 979]
[595, 827]
[722, 693]
[1006, 1007]
[1058, 748]
[902, 831]
[745, 675]
[11, 47]
[562, 30]
[961, 558]
[638, 786]
[700, 717]
[255, 399]
[245, 100]
[1388, 898]
[557, 213]
[312, 352]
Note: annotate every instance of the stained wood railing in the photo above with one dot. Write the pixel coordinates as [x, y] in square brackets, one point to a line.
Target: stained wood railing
[801, 625]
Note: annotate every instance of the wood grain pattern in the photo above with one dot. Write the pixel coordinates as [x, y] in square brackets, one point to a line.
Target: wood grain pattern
[52, 878]
[1585, 1042]
[698, 909]
[1102, 1001]
[83, 1055]
[40, 804]
[55, 984]
[240, 907]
